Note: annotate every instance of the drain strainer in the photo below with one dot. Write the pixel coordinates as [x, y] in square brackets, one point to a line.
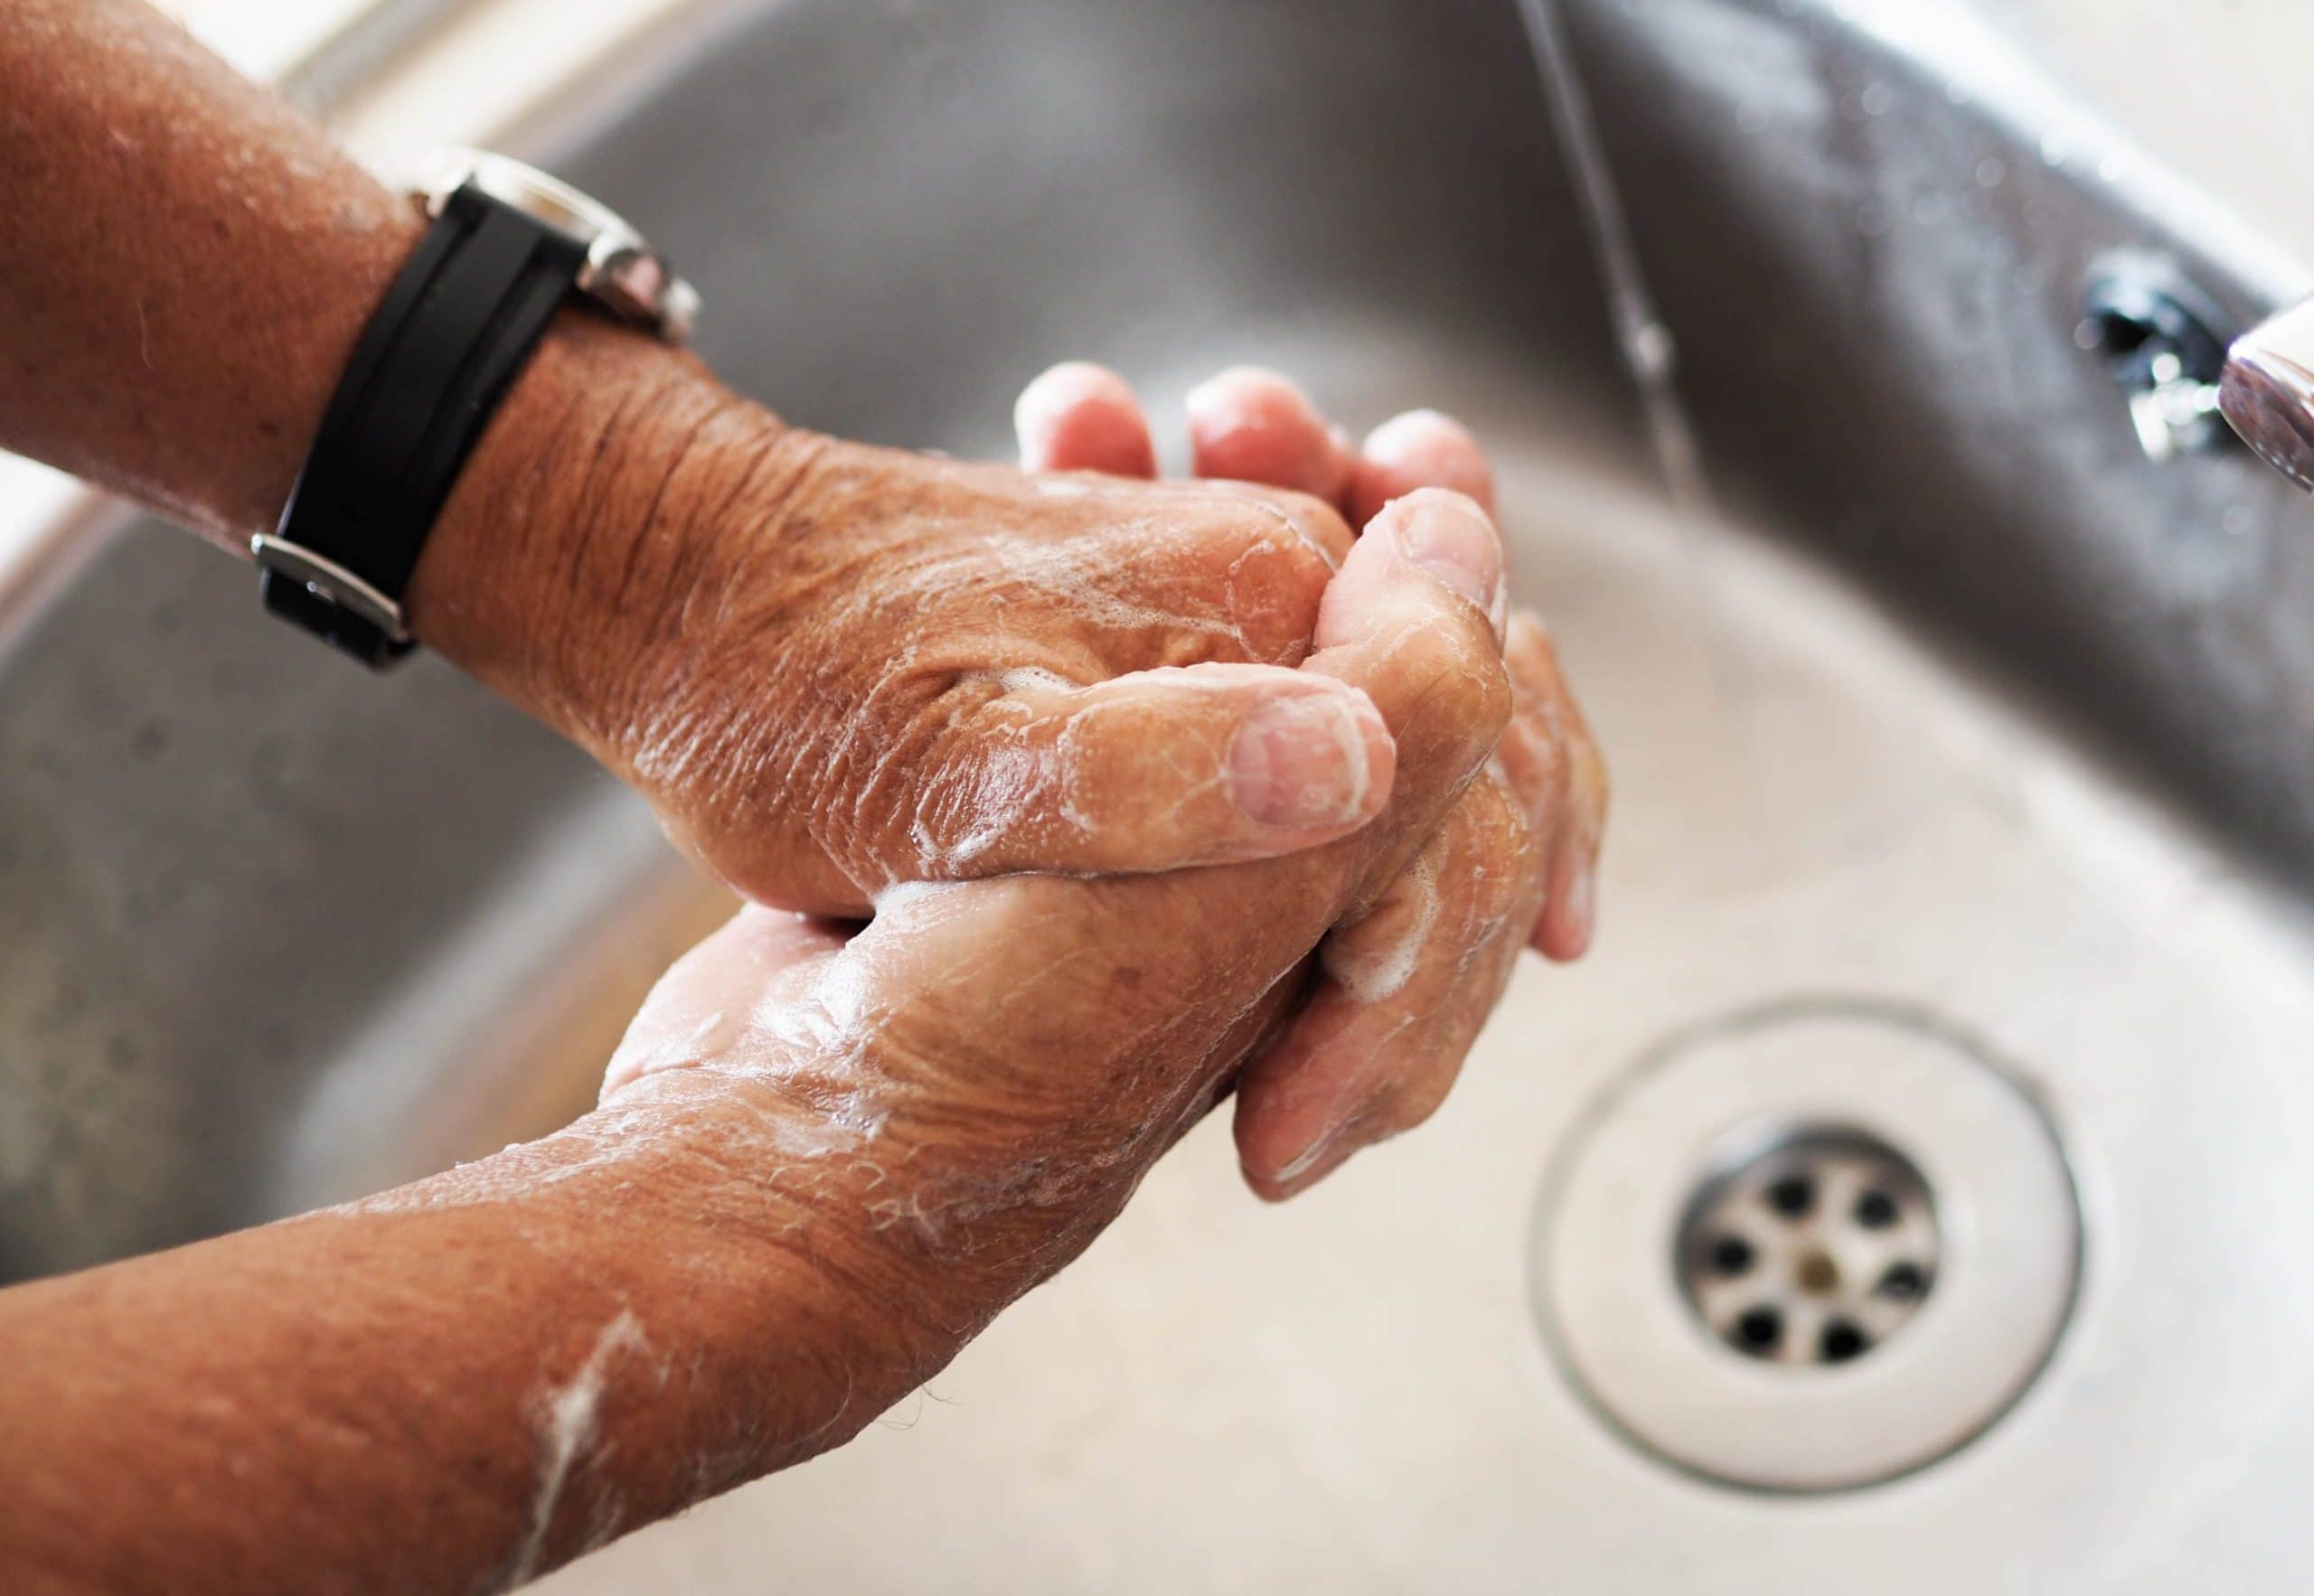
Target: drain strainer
[1814, 1247]
[1809, 1247]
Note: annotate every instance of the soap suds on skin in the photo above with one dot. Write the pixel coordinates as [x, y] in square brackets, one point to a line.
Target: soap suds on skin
[1376, 974]
[566, 1421]
[1021, 679]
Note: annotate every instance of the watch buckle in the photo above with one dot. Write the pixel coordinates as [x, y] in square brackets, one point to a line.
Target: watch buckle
[331, 583]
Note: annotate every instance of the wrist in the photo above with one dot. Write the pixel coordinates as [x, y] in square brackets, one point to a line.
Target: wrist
[808, 1303]
[899, 1240]
[588, 507]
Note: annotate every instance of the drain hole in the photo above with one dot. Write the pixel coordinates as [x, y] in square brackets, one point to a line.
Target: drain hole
[1732, 1255]
[1836, 1334]
[1903, 1283]
[1875, 1210]
[1842, 1258]
[1840, 1342]
[1759, 1330]
[1792, 1195]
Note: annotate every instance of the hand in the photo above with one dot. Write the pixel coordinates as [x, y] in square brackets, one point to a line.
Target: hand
[832, 667]
[1410, 978]
[836, 679]
[966, 1090]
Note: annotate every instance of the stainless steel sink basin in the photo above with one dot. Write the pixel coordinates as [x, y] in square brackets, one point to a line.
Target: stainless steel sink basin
[1964, 721]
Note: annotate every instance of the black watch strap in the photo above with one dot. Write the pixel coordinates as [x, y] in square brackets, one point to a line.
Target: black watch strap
[435, 358]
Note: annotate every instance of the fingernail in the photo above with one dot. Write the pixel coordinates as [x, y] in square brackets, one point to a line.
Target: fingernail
[1425, 449]
[1309, 1156]
[1449, 539]
[1303, 761]
[1581, 907]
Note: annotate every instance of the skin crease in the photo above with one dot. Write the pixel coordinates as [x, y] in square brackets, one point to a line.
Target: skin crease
[974, 674]
[825, 1161]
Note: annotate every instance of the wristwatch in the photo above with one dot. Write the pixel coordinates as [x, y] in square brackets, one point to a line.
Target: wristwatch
[507, 247]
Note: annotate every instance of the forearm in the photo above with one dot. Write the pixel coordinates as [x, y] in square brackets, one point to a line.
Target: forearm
[458, 1385]
[832, 1173]
[186, 265]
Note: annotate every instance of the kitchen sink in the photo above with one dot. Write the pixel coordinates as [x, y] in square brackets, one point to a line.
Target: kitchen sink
[1964, 767]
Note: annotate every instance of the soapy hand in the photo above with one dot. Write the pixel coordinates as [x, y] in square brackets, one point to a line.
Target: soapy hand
[833, 667]
[1438, 901]
[966, 1090]
[1409, 979]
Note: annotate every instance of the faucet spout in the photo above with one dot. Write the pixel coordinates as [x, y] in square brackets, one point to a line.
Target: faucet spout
[2266, 391]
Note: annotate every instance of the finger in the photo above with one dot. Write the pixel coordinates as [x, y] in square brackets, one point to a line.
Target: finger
[1441, 535]
[702, 1005]
[1251, 425]
[1418, 449]
[1407, 988]
[1555, 770]
[1154, 770]
[1316, 1090]
[1080, 417]
[1414, 617]
[1406, 626]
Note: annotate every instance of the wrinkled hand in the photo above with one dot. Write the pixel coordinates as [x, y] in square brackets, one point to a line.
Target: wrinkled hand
[967, 1090]
[833, 667]
[1410, 978]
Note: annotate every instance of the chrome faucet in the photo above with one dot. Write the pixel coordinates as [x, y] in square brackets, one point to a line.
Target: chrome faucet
[2266, 391]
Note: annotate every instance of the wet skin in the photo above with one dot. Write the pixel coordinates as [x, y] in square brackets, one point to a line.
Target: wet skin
[863, 668]
[1407, 983]
[831, 668]
[1334, 785]
[823, 1163]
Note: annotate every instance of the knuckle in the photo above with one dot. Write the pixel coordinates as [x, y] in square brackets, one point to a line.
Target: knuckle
[1419, 1098]
[1499, 858]
[1459, 674]
[1318, 523]
[1537, 761]
[1265, 545]
[1269, 571]
[1300, 518]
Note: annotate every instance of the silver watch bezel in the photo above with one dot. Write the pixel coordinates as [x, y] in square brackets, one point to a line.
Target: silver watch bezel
[623, 273]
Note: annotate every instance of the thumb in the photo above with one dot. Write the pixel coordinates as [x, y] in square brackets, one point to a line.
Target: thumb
[1159, 769]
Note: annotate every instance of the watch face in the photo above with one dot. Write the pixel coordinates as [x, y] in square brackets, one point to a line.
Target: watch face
[623, 273]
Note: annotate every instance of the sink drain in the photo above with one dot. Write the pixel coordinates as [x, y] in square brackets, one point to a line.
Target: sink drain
[1815, 1248]
[1807, 1248]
